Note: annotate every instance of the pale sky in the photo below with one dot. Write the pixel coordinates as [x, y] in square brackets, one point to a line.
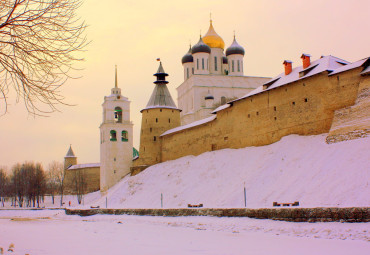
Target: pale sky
[133, 33]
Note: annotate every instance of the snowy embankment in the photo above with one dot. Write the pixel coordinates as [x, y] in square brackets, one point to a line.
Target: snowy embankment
[297, 168]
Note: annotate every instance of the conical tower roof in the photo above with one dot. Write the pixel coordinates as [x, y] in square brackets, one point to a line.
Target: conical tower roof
[161, 97]
[70, 153]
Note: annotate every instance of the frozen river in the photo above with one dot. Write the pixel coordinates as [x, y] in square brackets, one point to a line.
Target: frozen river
[53, 232]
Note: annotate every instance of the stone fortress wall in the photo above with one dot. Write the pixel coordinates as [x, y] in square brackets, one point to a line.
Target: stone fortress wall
[303, 107]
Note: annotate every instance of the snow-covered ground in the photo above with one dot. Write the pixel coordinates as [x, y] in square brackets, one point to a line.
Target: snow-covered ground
[297, 168]
[303, 169]
[53, 232]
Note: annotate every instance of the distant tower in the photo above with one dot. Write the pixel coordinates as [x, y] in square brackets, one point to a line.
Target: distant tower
[235, 54]
[70, 159]
[160, 115]
[115, 138]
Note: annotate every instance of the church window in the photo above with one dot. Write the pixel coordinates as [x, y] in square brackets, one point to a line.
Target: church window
[306, 100]
[155, 138]
[232, 66]
[169, 120]
[124, 136]
[150, 130]
[202, 63]
[249, 115]
[114, 171]
[118, 114]
[238, 65]
[197, 63]
[275, 108]
[160, 110]
[156, 119]
[192, 70]
[113, 135]
[223, 100]
[257, 113]
[293, 103]
[215, 63]
[187, 73]
[275, 118]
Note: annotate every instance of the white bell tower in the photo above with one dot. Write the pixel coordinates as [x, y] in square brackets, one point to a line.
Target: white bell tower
[115, 138]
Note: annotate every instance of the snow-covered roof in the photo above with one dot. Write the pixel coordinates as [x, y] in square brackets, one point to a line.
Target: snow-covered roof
[220, 108]
[79, 166]
[193, 124]
[327, 63]
[349, 66]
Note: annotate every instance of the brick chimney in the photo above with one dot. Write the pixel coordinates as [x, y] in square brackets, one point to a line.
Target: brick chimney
[306, 60]
[288, 66]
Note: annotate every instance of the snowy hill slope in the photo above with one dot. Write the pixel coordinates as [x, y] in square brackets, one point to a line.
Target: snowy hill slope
[297, 168]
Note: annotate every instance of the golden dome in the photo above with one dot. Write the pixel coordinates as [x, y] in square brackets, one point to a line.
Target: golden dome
[212, 39]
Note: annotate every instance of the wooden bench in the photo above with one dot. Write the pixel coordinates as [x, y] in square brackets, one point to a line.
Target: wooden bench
[296, 203]
[195, 206]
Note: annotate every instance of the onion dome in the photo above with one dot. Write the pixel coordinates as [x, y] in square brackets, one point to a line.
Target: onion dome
[187, 58]
[235, 48]
[200, 47]
[212, 39]
[224, 60]
[209, 96]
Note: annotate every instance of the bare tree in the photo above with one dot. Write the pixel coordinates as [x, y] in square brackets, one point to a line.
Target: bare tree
[56, 176]
[3, 185]
[39, 42]
[80, 182]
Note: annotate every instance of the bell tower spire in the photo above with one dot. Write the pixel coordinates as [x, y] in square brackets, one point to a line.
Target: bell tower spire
[115, 80]
[116, 90]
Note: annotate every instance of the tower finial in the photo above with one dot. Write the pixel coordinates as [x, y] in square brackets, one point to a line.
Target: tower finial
[210, 18]
[115, 80]
[234, 34]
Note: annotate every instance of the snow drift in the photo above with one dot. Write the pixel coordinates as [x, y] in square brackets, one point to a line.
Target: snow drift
[297, 168]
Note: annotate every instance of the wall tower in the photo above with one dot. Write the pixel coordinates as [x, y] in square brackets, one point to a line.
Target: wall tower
[70, 159]
[160, 115]
[115, 138]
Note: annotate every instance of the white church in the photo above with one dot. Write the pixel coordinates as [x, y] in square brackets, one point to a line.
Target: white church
[212, 77]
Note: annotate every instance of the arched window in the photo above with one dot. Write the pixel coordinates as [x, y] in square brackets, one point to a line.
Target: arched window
[202, 63]
[223, 100]
[118, 114]
[124, 136]
[197, 63]
[232, 66]
[113, 135]
[215, 63]
[238, 66]
[187, 73]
